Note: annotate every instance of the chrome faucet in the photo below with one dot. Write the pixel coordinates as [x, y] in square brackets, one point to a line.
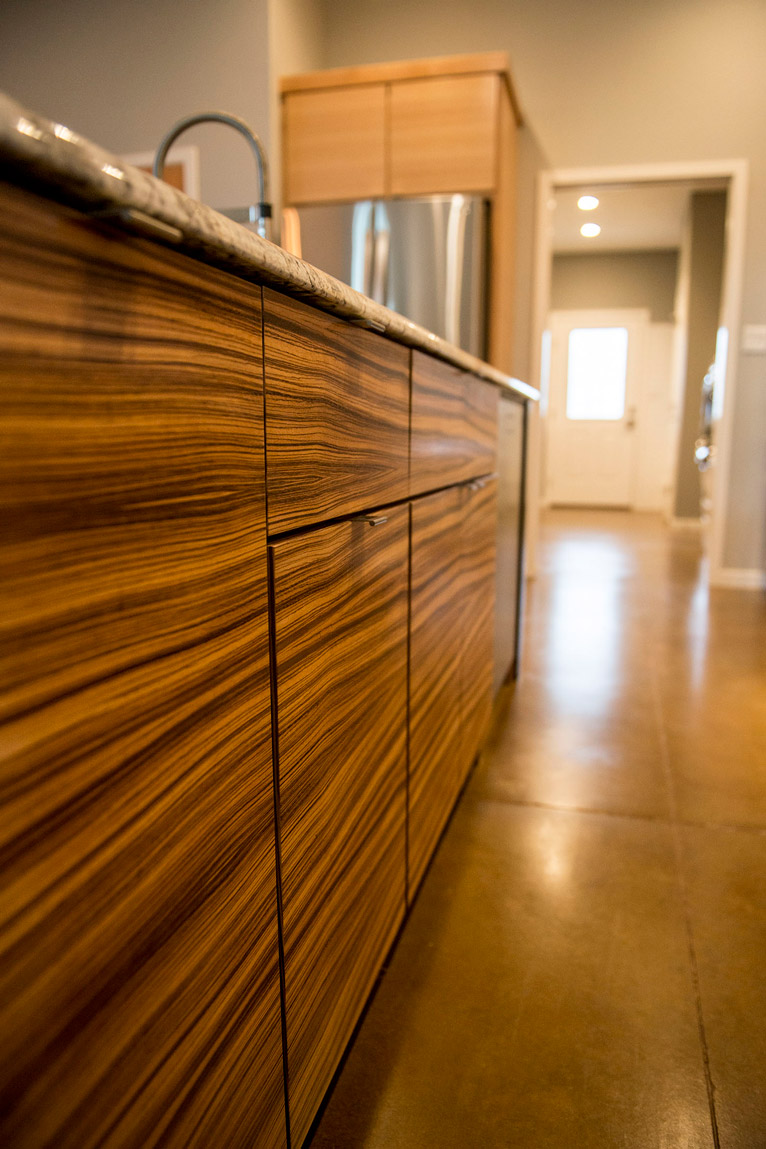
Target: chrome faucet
[258, 214]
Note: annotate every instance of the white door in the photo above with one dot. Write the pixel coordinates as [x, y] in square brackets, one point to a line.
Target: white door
[592, 407]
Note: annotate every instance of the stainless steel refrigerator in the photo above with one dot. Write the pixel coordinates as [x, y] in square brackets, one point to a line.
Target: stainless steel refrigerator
[425, 258]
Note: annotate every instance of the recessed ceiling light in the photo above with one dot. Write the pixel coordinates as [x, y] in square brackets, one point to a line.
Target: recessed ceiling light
[589, 230]
[587, 202]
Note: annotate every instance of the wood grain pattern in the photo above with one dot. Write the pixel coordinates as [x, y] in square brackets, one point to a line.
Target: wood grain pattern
[437, 636]
[139, 982]
[502, 280]
[510, 527]
[444, 135]
[453, 425]
[334, 144]
[337, 416]
[452, 601]
[397, 70]
[340, 597]
[478, 554]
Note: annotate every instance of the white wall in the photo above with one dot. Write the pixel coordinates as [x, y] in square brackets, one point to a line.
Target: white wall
[620, 83]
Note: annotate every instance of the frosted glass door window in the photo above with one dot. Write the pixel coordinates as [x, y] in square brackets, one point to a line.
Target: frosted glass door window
[597, 372]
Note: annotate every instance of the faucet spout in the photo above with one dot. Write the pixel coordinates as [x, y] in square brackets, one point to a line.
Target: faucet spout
[260, 214]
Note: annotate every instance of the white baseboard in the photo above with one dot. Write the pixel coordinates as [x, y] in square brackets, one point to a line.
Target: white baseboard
[739, 578]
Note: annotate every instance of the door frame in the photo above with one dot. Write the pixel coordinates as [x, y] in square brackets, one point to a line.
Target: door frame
[636, 319]
[736, 174]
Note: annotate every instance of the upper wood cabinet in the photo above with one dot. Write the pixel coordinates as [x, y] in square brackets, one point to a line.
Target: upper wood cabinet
[443, 135]
[334, 144]
[419, 127]
[412, 128]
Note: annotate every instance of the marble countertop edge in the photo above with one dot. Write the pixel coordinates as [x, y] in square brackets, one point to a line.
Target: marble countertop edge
[50, 157]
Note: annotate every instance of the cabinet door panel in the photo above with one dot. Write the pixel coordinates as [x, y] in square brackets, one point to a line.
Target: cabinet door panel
[437, 627]
[337, 416]
[340, 611]
[139, 985]
[453, 425]
[334, 144]
[510, 526]
[443, 134]
[479, 540]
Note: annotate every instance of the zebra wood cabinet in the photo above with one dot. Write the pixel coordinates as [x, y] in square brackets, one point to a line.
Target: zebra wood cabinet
[478, 551]
[139, 989]
[210, 712]
[337, 416]
[452, 601]
[436, 652]
[340, 677]
[453, 427]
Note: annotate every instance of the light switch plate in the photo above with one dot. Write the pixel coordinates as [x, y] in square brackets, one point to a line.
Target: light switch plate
[754, 338]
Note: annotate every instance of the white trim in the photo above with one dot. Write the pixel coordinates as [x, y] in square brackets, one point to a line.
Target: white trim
[541, 293]
[187, 155]
[735, 173]
[740, 578]
[731, 318]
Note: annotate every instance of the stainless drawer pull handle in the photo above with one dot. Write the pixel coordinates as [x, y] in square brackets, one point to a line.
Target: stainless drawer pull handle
[480, 484]
[373, 520]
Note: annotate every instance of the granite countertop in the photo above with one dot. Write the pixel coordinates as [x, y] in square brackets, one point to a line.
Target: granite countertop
[50, 158]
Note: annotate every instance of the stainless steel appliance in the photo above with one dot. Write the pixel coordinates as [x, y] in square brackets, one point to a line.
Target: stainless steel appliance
[425, 258]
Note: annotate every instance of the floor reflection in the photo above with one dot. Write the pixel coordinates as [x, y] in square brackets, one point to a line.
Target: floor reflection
[584, 962]
[583, 660]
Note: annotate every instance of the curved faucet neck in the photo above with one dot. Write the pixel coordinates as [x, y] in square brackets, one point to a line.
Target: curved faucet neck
[263, 210]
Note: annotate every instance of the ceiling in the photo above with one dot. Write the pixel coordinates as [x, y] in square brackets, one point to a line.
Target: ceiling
[632, 218]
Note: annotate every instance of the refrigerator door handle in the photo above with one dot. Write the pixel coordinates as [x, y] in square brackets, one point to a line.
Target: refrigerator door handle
[369, 261]
[455, 255]
[380, 267]
[362, 247]
[381, 255]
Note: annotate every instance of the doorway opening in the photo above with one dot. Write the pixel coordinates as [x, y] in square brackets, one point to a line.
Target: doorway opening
[636, 452]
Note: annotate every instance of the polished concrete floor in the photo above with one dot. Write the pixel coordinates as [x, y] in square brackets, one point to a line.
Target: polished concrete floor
[585, 964]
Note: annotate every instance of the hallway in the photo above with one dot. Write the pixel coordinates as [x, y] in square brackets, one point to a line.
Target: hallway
[584, 965]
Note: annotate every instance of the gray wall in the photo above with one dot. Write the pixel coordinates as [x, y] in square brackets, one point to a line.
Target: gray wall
[121, 73]
[296, 44]
[707, 225]
[616, 279]
[620, 83]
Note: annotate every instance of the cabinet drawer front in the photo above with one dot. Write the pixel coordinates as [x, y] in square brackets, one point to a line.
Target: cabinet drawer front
[340, 618]
[140, 965]
[337, 416]
[334, 144]
[454, 425]
[437, 629]
[443, 134]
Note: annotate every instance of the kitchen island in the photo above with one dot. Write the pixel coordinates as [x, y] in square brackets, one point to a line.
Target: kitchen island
[248, 577]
